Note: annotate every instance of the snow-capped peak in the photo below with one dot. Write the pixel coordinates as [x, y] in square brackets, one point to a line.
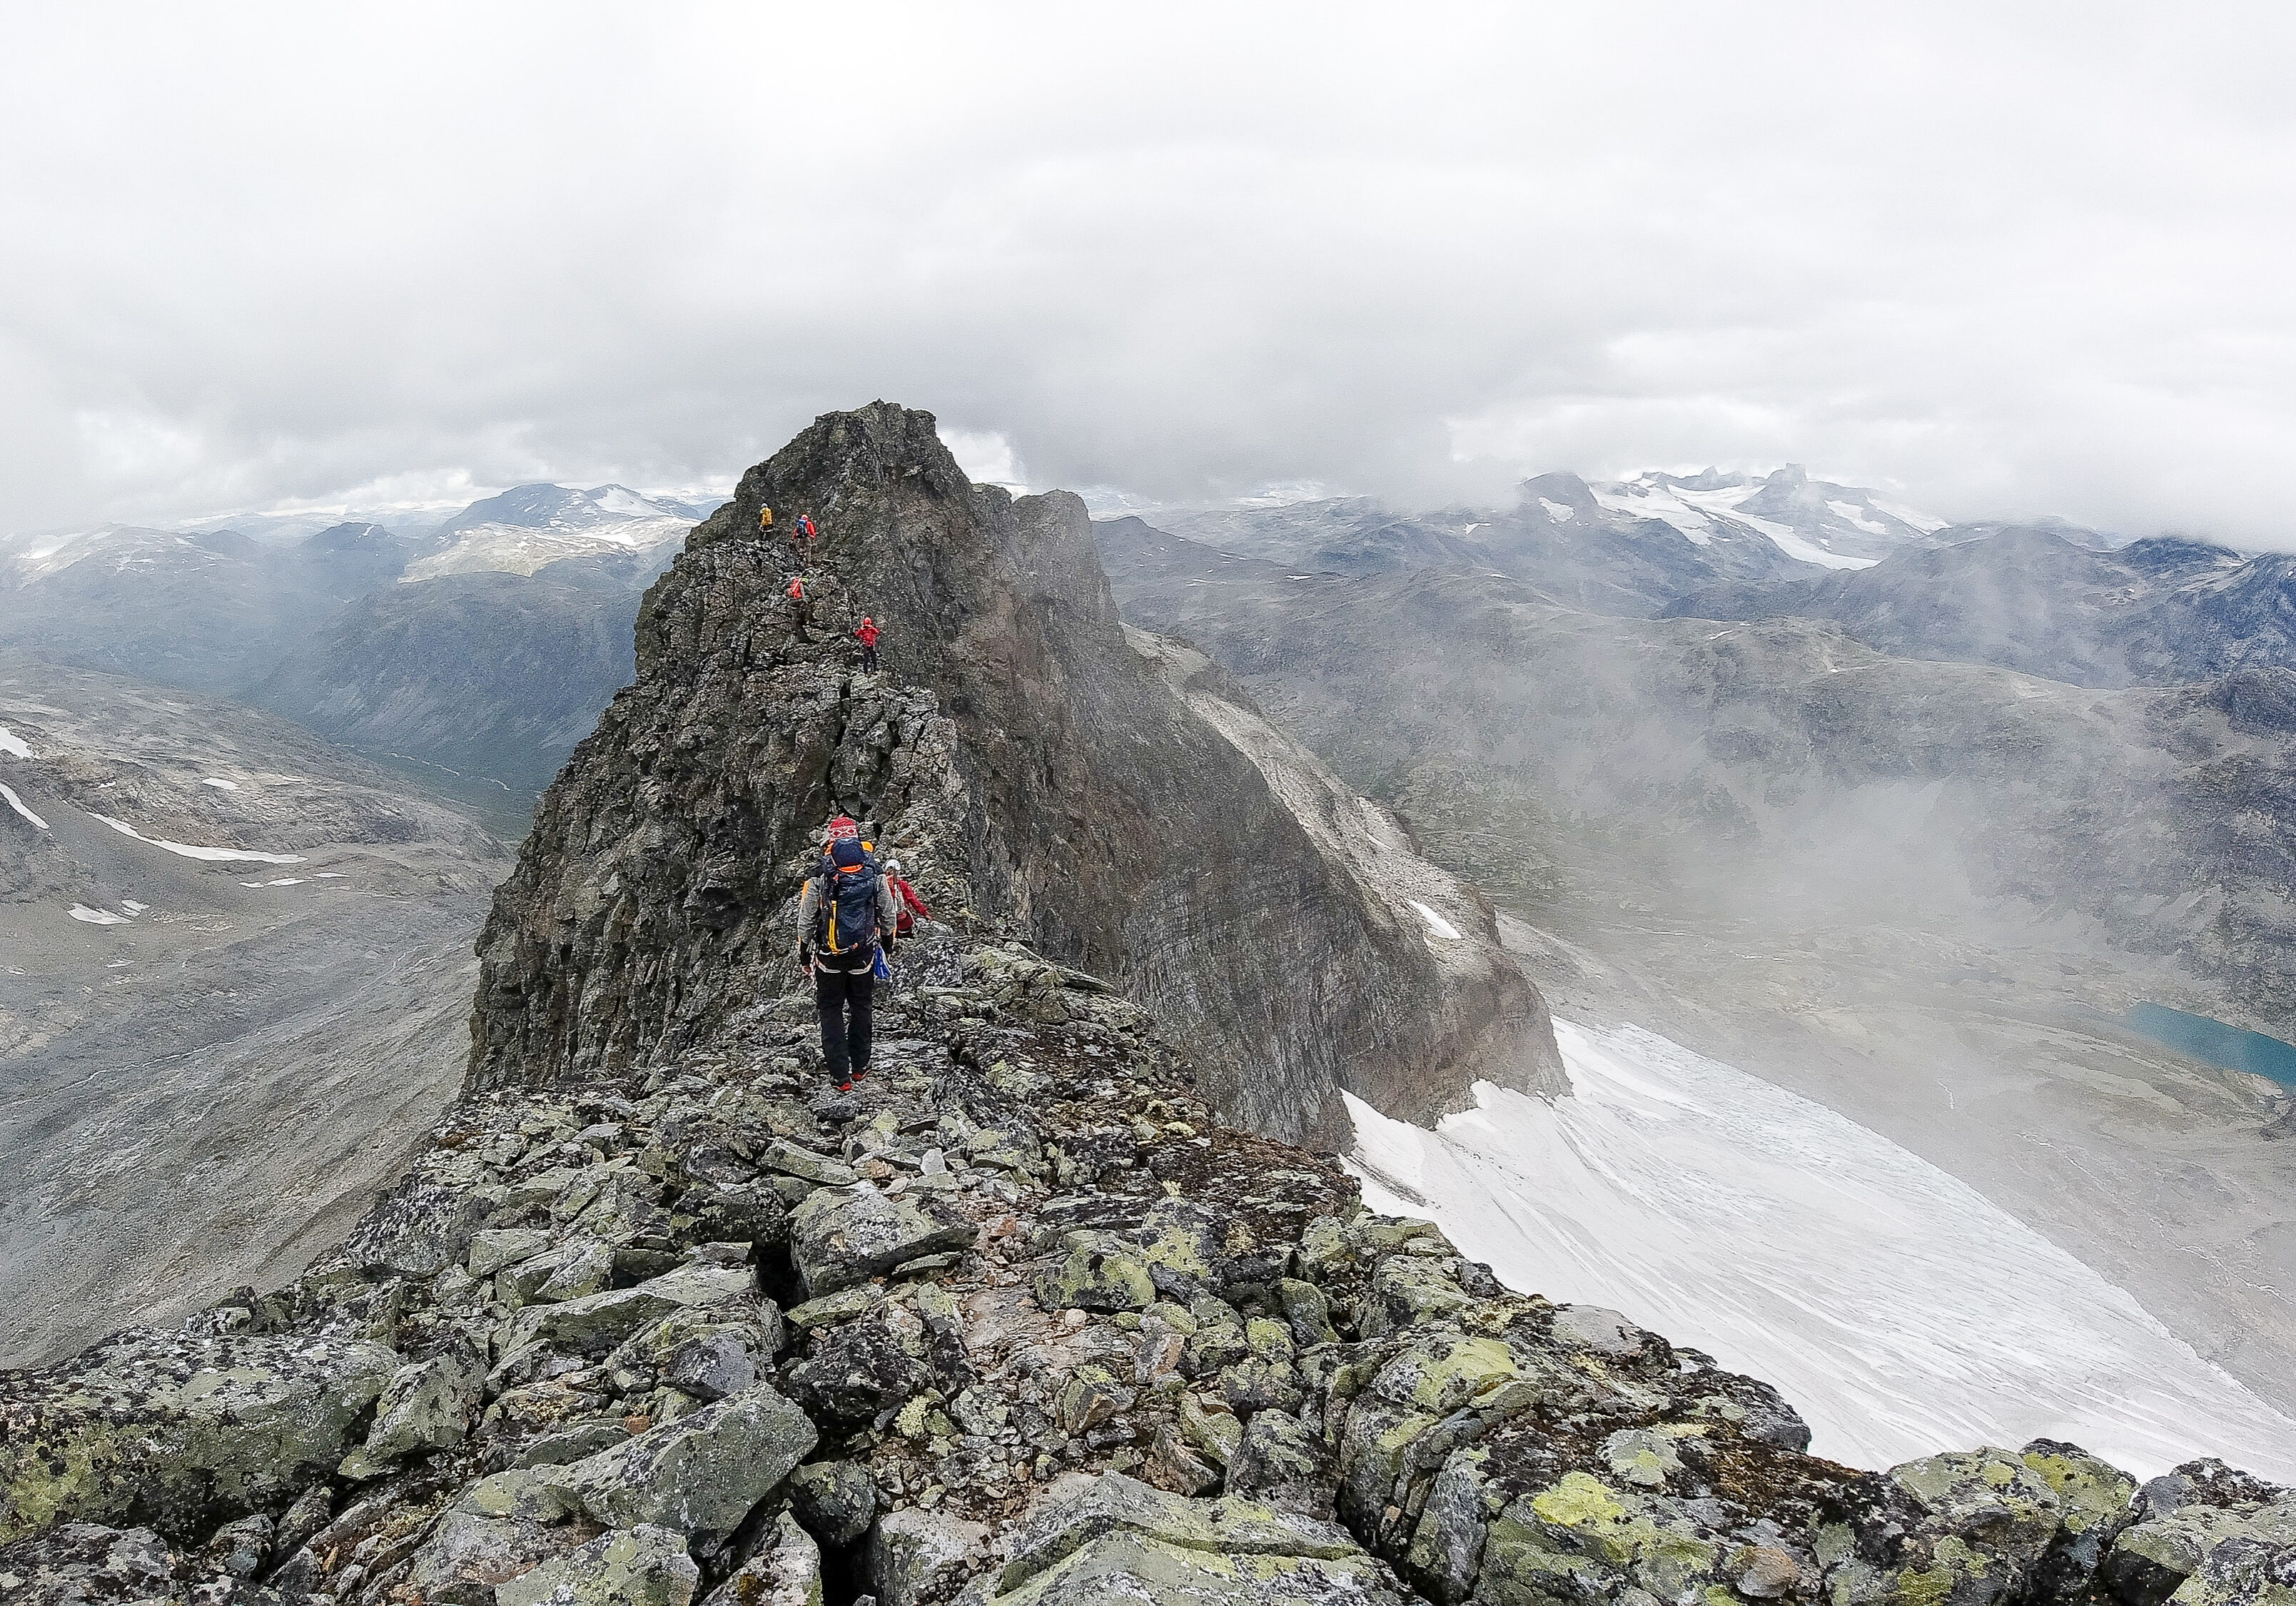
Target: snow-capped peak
[1813, 522]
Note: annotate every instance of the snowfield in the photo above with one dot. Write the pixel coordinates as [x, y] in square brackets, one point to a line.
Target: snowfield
[215, 855]
[1900, 1310]
[11, 743]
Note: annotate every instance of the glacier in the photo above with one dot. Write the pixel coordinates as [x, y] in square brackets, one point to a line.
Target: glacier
[1897, 1308]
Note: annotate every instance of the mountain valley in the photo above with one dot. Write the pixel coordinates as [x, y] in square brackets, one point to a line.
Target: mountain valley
[1919, 893]
[236, 968]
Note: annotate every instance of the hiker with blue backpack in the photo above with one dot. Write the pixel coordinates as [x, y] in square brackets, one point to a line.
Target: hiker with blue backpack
[846, 921]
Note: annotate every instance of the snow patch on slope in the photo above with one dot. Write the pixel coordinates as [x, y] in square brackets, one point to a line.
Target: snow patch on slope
[216, 854]
[17, 804]
[1435, 922]
[11, 743]
[1898, 1309]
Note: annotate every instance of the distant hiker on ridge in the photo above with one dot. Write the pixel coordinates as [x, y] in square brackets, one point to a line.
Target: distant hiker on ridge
[868, 632]
[848, 914]
[764, 520]
[912, 907]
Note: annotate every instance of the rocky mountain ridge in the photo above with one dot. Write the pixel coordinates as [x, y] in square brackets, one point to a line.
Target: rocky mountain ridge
[1070, 796]
[655, 1318]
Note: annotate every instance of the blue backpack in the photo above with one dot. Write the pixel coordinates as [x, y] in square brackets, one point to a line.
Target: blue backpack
[846, 921]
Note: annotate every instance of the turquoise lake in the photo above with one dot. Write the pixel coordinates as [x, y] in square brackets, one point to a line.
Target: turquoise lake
[2213, 1041]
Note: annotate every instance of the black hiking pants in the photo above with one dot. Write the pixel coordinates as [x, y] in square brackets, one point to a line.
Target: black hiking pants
[868, 660]
[845, 1048]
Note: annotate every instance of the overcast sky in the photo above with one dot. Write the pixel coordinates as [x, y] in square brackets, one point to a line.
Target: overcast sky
[1998, 259]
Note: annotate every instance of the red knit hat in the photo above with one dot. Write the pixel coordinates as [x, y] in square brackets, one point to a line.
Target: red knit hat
[843, 830]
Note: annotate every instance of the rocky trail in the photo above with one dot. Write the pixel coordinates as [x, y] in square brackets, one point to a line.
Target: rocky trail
[657, 1317]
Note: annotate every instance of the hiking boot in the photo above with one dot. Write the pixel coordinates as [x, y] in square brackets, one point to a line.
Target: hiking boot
[859, 1072]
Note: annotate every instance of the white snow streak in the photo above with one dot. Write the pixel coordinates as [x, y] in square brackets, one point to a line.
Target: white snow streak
[1799, 550]
[1927, 523]
[97, 917]
[1857, 516]
[216, 854]
[11, 743]
[17, 804]
[1693, 525]
[1441, 927]
[1560, 512]
[1897, 1308]
[219, 780]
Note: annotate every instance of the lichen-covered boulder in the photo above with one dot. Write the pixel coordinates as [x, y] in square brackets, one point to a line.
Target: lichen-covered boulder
[1583, 1538]
[185, 1430]
[2177, 1522]
[843, 1236]
[709, 1352]
[2244, 1570]
[701, 1473]
[418, 1229]
[2093, 1506]
[861, 1368]
[1119, 1540]
[495, 1248]
[1986, 1519]
[914, 1554]
[785, 1571]
[1100, 1272]
[466, 1556]
[590, 1327]
[88, 1564]
[642, 1566]
[834, 1499]
[424, 1406]
[1285, 1463]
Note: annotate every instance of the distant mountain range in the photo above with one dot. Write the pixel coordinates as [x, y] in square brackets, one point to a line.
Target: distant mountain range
[2160, 611]
[473, 654]
[521, 530]
[1628, 546]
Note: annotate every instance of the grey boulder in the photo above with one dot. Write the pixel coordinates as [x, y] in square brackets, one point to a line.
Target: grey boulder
[845, 1236]
[701, 1473]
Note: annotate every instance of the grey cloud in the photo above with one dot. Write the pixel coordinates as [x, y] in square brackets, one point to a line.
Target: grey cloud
[2003, 260]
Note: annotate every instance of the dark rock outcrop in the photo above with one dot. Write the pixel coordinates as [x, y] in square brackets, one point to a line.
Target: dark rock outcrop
[1061, 790]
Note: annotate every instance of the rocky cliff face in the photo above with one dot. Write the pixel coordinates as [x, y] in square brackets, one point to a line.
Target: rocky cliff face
[1055, 785]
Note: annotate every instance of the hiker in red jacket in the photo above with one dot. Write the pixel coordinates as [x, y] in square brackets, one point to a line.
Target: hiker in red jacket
[800, 608]
[807, 532]
[912, 907]
[868, 632]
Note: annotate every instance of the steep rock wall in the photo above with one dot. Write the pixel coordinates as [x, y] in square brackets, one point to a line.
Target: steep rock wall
[1075, 800]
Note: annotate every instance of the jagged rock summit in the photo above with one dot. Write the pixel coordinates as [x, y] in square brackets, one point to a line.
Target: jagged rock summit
[657, 1317]
[1057, 780]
